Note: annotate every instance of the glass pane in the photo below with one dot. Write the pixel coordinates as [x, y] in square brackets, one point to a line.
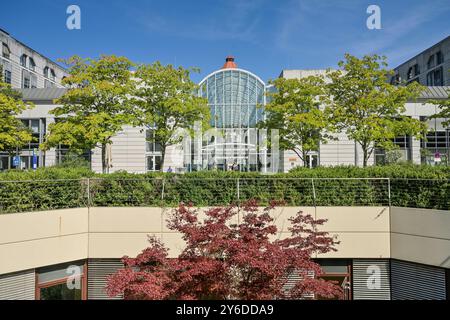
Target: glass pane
[35, 126]
[57, 272]
[60, 292]
[150, 166]
[158, 163]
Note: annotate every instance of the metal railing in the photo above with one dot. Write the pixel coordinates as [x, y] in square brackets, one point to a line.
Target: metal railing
[35, 195]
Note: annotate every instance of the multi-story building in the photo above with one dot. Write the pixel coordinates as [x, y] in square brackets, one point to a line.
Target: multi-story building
[430, 68]
[344, 151]
[24, 68]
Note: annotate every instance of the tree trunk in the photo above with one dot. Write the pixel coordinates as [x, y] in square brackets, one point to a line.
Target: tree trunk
[104, 157]
[365, 157]
[163, 157]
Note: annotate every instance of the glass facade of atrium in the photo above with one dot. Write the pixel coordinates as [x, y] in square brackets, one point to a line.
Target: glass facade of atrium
[236, 100]
[234, 96]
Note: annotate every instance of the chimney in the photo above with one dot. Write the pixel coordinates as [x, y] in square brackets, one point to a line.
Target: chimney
[229, 63]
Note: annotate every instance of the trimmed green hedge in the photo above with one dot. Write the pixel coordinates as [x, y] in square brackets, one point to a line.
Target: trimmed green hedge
[55, 188]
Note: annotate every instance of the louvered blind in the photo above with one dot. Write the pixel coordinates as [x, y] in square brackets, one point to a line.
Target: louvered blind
[18, 285]
[412, 281]
[365, 284]
[98, 271]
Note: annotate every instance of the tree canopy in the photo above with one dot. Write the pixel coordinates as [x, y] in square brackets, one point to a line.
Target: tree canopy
[369, 109]
[228, 259]
[13, 134]
[294, 109]
[166, 102]
[96, 105]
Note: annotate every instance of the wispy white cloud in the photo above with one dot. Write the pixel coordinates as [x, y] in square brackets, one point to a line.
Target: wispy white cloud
[395, 30]
[232, 20]
[312, 25]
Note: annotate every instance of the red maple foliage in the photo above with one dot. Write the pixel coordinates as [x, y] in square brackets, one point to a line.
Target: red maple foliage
[223, 260]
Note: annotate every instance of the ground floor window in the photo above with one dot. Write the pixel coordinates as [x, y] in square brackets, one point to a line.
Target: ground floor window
[338, 271]
[435, 149]
[66, 281]
[25, 160]
[154, 162]
[65, 155]
[402, 152]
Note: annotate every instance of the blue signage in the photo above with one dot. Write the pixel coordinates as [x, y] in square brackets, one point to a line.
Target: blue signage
[35, 158]
[16, 161]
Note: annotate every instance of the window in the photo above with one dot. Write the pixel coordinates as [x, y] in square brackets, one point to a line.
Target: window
[62, 282]
[153, 150]
[33, 82]
[436, 142]
[439, 58]
[5, 51]
[52, 74]
[339, 271]
[37, 129]
[151, 144]
[416, 70]
[154, 163]
[46, 72]
[26, 79]
[32, 65]
[435, 77]
[410, 74]
[413, 71]
[403, 149]
[23, 60]
[430, 63]
[7, 76]
[6, 71]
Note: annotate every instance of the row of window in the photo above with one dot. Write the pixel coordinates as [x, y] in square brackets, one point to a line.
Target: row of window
[68, 281]
[435, 76]
[29, 79]
[28, 62]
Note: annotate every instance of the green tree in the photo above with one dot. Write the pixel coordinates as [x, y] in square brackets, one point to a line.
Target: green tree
[369, 109]
[13, 134]
[95, 107]
[294, 109]
[166, 102]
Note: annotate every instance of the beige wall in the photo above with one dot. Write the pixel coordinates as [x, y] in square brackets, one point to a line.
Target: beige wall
[421, 235]
[30, 240]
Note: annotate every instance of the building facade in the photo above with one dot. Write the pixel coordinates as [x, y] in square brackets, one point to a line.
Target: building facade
[430, 68]
[384, 253]
[24, 68]
[236, 98]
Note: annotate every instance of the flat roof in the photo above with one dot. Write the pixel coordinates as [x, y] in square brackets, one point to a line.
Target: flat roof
[42, 94]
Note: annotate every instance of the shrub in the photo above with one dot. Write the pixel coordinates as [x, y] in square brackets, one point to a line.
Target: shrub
[55, 187]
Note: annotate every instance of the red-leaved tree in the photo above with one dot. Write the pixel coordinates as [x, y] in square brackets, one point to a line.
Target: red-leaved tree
[223, 260]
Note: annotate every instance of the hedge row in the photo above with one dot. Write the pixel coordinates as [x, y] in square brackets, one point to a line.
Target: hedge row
[54, 188]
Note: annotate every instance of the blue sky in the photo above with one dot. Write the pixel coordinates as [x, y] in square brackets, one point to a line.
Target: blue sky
[265, 36]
